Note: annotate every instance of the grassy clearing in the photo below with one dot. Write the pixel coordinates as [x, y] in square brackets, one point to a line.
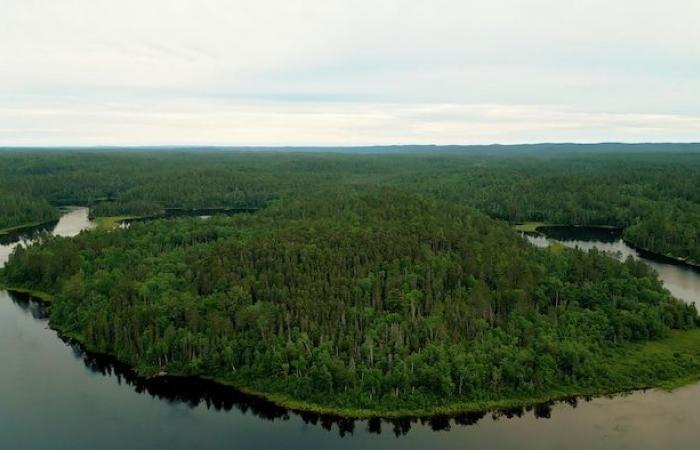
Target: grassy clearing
[528, 227]
[679, 343]
[556, 246]
[531, 227]
[659, 361]
[111, 222]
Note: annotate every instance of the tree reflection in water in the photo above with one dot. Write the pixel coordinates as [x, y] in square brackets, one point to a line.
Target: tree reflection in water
[195, 391]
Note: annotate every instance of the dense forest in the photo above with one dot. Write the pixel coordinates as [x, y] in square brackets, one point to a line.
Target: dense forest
[649, 190]
[18, 210]
[360, 298]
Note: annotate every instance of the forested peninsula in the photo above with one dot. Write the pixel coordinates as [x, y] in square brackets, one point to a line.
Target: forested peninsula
[366, 285]
[363, 303]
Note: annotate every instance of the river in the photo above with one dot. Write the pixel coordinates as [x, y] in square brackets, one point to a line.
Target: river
[682, 281]
[54, 396]
[72, 222]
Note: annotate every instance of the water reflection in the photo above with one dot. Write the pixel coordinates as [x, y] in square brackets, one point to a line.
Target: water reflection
[536, 239]
[202, 213]
[195, 392]
[26, 234]
[73, 221]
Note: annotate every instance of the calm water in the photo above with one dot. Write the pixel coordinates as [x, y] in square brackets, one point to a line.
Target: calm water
[53, 396]
[72, 222]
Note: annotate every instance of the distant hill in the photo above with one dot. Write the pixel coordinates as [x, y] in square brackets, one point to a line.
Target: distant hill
[607, 147]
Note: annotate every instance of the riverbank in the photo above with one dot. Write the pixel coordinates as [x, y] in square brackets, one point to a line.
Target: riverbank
[636, 364]
[111, 222]
[528, 227]
[38, 295]
[662, 257]
[26, 227]
[538, 228]
[37, 225]
[682, 343]
[634, 360]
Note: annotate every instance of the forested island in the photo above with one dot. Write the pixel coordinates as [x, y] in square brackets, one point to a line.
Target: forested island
[368, 284]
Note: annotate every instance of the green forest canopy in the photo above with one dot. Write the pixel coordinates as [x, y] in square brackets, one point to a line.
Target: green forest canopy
[651, 190]
[359, 298]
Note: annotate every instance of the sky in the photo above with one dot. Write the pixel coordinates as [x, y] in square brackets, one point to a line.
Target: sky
[331, 72]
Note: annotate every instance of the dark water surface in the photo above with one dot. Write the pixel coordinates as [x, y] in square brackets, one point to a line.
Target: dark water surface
[54, 396]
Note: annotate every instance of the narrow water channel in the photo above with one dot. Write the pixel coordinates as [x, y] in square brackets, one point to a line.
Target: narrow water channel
[72, 222]
[682, 281]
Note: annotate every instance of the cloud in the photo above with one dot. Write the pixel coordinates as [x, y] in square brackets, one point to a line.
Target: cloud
[341, 72]
[313, 123]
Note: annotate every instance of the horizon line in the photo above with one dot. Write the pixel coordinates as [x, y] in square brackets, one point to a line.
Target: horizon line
[317, 146]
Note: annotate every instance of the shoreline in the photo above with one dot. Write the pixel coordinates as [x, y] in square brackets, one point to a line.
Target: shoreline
[18, 229]
[536, 228]
[660, 257]
[301, 406]
[31, 226]
[112, 222]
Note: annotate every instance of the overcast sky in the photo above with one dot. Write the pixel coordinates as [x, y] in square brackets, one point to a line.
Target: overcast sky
[355, 72]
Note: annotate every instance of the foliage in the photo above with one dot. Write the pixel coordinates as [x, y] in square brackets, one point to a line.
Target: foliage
[19, 210]
[358, 297]
[650, 190]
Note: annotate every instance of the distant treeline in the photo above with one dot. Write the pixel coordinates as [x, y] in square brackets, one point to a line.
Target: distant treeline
[651, 190]
[520, 149]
